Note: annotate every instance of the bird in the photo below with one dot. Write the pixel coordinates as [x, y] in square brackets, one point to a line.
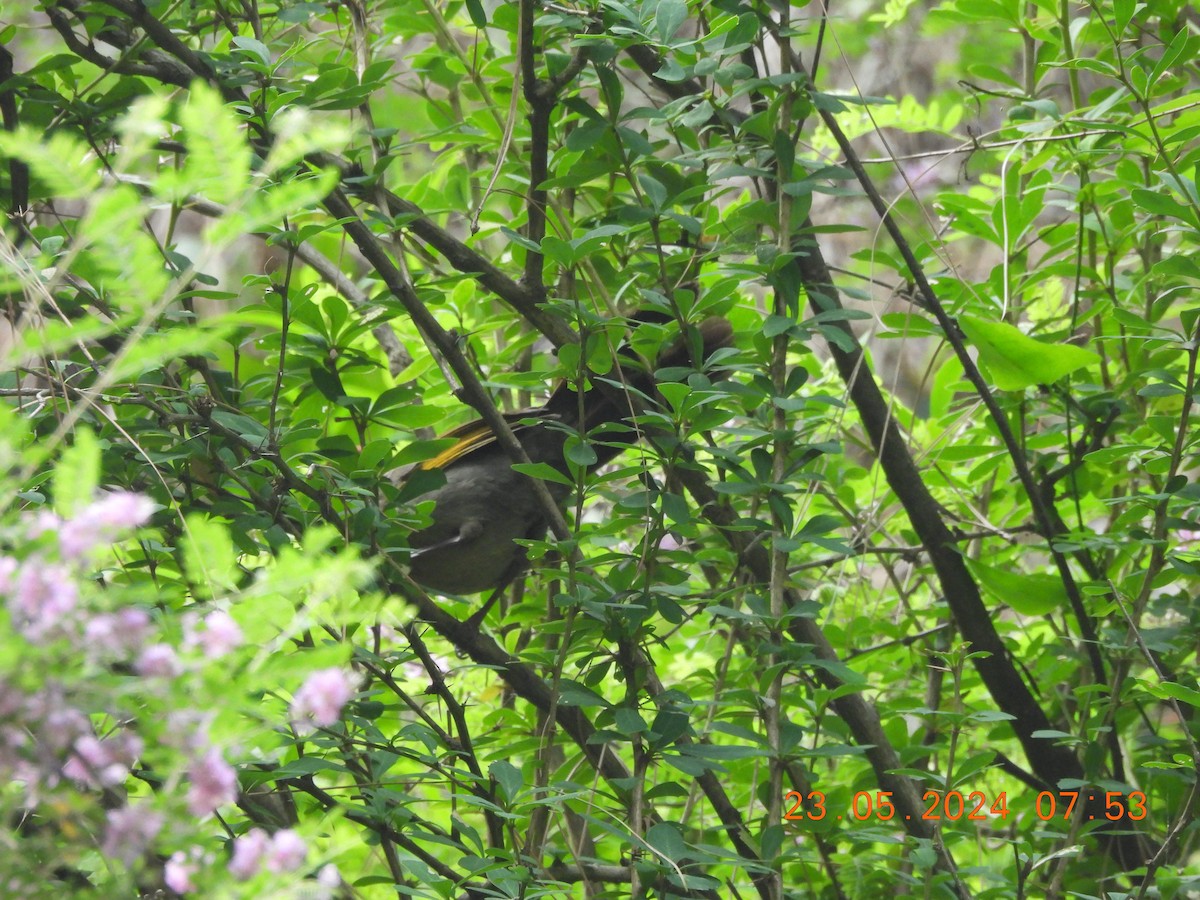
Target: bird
[483, 507]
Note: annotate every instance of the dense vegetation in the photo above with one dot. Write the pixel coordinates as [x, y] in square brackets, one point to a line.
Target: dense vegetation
[896, 596]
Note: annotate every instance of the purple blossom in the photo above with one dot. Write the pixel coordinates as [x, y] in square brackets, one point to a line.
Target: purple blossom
[214, 783]
[158, 660]
[284, 851]
[116, 635]
[102, 521]
[287, 853]
[62, 726]
[320, 699]
[88, 761]
[248, 853]
[41, 521]
[98, 762]
[12, 699]
[130, 831]
[13, 746]
[121, 510]
[178, 872]
[8, 568]
[41, 596]
[219, 636]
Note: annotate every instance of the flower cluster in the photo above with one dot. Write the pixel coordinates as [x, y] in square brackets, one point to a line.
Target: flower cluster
[74, 715]
[46, 733]
[283, 851]
[42, 593]
[319, 702]
[50, 736]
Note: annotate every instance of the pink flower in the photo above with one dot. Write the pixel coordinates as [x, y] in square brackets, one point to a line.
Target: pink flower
[285, 851]
[101, 522]
[13, 748]
[248, 853]
[62, 725]
[8, 568]
[320, 699]
[41, 521]
[12, 699]
[115, 635]
[219, 636]
[158, 660]
[178, 872]
[288, 851]
[77, 538]
[121, 510]
[214, 783]
[89, 757]
[102, 763]
[129, 832]
[41, 597]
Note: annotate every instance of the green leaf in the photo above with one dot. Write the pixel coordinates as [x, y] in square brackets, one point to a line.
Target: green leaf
[1030, 595]
[419, 451]
[572, 693]
[248, 428]
[508, 777]
[1181, 47]
[1161, 205]
[543, 471]
[123, 257]
[309, 765]
[559, 251]
[1016, 361]
[595, 239]
[77, 475]
[776, 325]
[478, 16]
[299, 132]
[257, 49]
[62, 163]
[771, 841]
[327, 382]
[629, 721]
[655, 191]
[1172, 690]
[270, 207]
[217, 164]
[721, 751]
[667, 840]
[1122, 14]
[581, 453]
[669, 16]
[154, 350]
[209, 558]
[520, 239]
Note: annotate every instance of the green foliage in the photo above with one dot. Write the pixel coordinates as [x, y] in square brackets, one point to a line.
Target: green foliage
[807, 638]
[1015, 361]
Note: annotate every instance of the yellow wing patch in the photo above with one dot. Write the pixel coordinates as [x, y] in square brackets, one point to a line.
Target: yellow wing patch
[471, 437]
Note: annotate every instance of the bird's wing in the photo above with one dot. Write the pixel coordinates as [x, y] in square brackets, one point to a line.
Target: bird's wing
[475, 434]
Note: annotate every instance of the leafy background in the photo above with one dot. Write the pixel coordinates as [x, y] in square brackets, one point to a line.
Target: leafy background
[926, 534]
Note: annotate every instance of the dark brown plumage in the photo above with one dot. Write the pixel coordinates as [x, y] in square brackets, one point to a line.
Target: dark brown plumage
[484, 506]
